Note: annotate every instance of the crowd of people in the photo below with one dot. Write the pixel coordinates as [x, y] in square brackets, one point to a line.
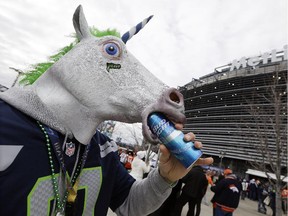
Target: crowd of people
[264, 193]
[228, 189]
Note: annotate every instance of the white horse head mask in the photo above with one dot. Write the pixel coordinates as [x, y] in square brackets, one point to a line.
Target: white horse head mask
[97, 80]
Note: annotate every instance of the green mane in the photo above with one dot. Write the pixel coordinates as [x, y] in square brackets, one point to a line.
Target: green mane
[37, 70]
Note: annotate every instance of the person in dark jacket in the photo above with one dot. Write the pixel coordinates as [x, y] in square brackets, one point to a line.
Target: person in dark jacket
[273, 202]
[227, 194]
[167, 208]
[262, 193]
[193, 191]
[253, 190]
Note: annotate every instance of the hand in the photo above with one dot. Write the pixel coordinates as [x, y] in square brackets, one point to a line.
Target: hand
[170, 168]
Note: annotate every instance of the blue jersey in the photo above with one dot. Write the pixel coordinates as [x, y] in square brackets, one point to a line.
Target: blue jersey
[25, 173]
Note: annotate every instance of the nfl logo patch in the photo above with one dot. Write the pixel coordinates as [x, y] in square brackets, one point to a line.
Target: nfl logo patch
[70, 149]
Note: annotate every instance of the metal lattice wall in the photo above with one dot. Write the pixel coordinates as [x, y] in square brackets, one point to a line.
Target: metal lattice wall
[219, 110]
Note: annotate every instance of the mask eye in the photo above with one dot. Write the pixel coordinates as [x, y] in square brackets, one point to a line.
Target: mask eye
[112, 49]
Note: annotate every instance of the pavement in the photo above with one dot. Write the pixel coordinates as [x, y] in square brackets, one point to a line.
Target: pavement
[246, 207]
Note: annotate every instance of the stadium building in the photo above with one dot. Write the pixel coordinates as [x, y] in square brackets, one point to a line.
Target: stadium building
[240, 109]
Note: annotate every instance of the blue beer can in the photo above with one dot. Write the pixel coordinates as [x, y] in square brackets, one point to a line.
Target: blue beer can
[173, 139]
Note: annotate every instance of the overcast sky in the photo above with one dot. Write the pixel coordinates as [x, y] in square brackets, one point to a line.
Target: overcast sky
[185, 39]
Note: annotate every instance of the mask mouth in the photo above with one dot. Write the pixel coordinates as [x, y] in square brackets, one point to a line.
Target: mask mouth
[170, 104]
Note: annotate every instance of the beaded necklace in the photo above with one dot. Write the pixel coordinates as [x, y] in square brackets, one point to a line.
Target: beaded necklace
[71, 192]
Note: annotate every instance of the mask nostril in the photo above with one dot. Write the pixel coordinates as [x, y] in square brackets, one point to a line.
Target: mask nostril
[174, 97]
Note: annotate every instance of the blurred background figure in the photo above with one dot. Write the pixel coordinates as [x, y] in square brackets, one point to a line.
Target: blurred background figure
[244, 189]
[138, 166]
[227, 194]
[123, 156]
[272, 204]
[284, 197]
[192, 192]
[209, 175]
[252, 190]
[167, 208]
[262, 193]
[129, 160]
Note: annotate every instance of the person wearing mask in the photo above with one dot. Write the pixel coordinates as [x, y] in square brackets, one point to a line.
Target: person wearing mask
[53, 161]
[227, 194]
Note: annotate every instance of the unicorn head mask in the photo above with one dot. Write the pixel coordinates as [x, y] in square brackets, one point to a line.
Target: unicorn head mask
[97, 80]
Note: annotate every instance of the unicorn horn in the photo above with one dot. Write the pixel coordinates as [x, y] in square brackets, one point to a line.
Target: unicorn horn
[133, 31]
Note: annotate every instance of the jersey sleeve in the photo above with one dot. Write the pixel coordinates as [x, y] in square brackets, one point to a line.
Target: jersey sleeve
[122, 186]
[145, 196]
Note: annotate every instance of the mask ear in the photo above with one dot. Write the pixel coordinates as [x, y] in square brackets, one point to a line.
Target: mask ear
[80, 24]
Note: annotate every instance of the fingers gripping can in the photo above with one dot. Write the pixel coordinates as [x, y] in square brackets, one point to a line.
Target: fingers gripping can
[173, 139]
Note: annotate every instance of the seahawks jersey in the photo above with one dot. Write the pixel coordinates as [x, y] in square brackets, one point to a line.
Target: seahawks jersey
[25, 173]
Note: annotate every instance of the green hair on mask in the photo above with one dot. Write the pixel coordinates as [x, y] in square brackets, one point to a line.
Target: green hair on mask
[29, 77]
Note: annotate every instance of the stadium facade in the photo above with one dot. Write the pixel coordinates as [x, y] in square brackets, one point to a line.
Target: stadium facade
[232, 110]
